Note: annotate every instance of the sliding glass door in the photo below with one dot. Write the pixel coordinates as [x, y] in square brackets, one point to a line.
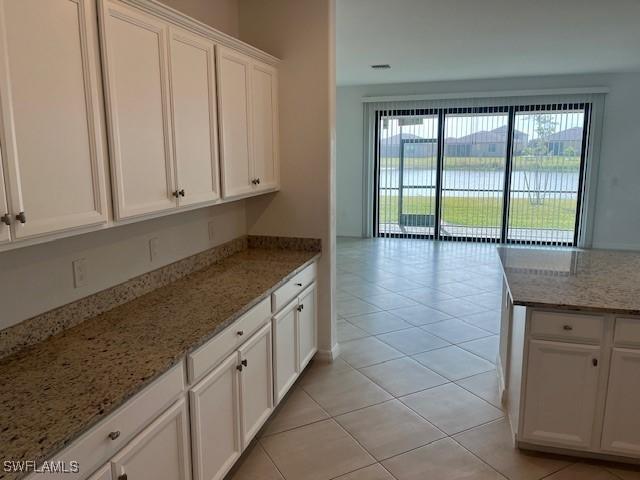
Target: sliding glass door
[546, 174]
[473, 172]
[498, 174]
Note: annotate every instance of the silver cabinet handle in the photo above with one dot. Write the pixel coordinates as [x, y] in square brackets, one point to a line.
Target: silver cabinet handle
[114, 435]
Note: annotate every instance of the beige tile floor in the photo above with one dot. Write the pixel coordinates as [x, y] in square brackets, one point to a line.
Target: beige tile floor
[414, 393]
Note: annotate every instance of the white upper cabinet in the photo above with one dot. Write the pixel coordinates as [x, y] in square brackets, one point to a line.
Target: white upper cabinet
[136, 79]
[193, 94]
[247, 101]
[52, 137]
[264, 87]
[234, 92]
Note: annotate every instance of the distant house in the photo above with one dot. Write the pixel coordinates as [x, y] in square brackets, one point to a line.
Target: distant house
[565, 141]
[492, 143]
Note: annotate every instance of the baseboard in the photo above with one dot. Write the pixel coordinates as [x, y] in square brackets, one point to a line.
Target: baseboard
[328, 355]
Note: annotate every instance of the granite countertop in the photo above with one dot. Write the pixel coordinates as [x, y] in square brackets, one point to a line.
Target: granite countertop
[54, 391]
[594, 280]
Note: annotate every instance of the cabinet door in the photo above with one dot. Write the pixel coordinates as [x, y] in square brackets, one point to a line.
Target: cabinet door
[103, 473]
[52, 136]
[215, 421]
[307, 326]
[195, 136]
[234, 91]
[264, 107]
[621, 432]
[136, 79]
[561, 393]
[161, 451]
[5, 230]
[285, 350]
[256, 384]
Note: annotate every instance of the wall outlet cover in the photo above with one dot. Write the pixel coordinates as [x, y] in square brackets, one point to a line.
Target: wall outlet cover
[154, 245]
[79, 272]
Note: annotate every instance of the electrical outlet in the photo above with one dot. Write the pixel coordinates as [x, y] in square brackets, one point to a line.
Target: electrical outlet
[212, 231]
[79, 272]
[154, 245]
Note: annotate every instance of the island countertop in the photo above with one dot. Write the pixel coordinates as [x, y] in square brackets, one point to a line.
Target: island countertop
[52, 392]
[575, 279]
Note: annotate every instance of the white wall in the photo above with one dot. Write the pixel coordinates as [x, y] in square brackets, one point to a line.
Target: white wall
[219, 14]
[39, 278]
[300, 32]
[617, 213]
[36, 279]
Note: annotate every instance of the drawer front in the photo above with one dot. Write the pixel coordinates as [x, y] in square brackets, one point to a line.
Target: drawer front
[567, 326]
[96, 447]
[627, 332]
[218, 348]
[293, 287]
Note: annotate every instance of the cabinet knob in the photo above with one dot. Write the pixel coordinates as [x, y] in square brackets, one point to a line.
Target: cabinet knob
[123, 477]
[176, 193]
[114, 435]
[239, 368]
[300, 307]
[298, 284]
[244, 362]
[258, 181]
[254, 181]
[21, 217]
[567, 328]
[595, 362]
[6, 219]
[240, 332]
[181, 192]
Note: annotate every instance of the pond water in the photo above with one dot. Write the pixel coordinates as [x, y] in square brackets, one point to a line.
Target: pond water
[456, 183]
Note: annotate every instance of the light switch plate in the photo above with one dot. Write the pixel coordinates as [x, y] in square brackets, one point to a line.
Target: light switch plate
[79, 272]
[154, 245]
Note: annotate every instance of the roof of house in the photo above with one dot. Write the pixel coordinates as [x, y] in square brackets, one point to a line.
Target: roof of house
[570, 134]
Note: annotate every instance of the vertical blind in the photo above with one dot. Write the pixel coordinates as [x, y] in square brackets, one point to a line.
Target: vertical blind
[485, 169]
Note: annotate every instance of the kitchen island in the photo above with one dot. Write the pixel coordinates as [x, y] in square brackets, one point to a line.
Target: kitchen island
[569, 361]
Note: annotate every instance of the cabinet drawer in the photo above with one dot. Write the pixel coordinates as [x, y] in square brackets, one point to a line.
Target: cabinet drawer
[95, 447]
[567, 326]
[213, 352]
[293, 287]
[627, 332]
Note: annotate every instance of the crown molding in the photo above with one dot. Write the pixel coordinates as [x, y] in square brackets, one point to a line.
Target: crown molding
[176, 17]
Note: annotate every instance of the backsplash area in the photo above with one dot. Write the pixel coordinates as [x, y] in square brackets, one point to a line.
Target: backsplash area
[50, 323]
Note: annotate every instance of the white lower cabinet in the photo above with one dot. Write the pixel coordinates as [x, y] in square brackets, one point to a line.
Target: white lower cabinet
[307, 326]
[256, 383]
[230, 405]
[294, 340]
[561, 393]
[215, 421]
[160, 452]
[103, 473]
[621, 430]
[285, 350]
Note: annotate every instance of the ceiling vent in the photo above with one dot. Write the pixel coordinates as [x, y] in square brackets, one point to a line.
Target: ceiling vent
[381, 66]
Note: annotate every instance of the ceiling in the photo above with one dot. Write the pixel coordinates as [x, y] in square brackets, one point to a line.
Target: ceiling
[430, 40]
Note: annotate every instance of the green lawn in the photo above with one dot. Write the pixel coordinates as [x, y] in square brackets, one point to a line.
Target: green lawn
[548, 163]
[487, 212]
